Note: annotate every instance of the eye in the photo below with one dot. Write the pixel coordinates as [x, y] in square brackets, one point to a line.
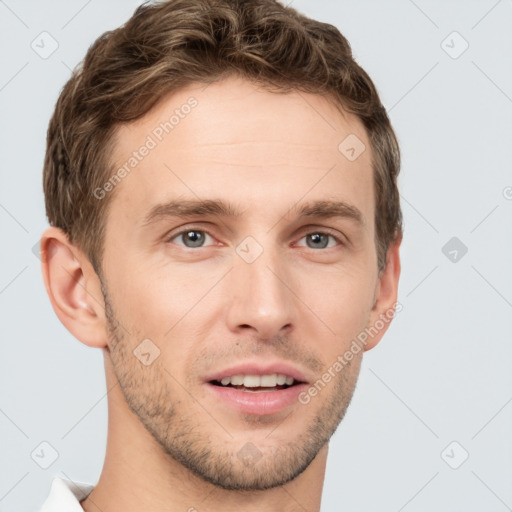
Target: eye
[197, 238]
[190, 238]
[320, 240]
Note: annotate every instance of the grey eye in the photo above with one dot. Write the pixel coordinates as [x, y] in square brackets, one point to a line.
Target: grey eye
[318, 240]
[192, 238]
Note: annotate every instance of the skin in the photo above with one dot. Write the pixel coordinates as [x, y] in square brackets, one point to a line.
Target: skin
[171, 442]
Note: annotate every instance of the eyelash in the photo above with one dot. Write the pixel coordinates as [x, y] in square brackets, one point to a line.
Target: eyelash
[327, 232]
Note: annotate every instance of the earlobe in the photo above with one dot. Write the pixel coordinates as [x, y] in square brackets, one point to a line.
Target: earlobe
[73, 287]
[385, 306]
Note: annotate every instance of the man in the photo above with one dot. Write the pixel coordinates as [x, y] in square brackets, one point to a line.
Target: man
[221, 184]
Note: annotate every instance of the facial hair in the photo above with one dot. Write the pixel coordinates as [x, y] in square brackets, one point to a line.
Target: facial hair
[165, 408]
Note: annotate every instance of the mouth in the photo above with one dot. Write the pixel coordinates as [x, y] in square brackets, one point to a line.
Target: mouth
[256, 389]
[257, 383]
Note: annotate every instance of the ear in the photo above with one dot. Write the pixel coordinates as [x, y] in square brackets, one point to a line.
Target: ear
[74, 288]
[386, 305]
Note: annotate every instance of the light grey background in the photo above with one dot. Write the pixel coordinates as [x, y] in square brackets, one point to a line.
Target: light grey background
[443, 371]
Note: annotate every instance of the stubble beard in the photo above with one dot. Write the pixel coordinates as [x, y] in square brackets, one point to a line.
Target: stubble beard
[149, 396]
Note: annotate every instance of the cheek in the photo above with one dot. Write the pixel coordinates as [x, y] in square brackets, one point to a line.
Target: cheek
[159, 300]
[341, 301]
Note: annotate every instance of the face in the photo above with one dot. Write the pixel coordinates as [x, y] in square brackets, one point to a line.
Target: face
[239, 254]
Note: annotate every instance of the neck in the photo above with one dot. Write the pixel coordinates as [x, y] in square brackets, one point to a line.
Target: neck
[138, 472]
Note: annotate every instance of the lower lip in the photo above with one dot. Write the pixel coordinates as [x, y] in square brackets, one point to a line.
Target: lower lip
[260, 403]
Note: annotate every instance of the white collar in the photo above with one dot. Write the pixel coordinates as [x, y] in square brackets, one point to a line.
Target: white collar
[65, 496]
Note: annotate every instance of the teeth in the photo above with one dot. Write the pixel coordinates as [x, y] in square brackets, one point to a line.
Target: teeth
[268, 380]
[254, 381]
[237, 380]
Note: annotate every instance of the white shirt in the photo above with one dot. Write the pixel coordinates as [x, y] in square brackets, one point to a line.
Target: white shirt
[65, 496]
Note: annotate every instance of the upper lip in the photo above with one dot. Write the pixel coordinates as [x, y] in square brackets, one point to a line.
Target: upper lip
[255, 368]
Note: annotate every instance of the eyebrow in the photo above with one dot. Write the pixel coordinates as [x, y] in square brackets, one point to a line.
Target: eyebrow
[223, 209]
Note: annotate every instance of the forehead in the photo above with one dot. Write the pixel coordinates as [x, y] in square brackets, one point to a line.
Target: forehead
[232, 139]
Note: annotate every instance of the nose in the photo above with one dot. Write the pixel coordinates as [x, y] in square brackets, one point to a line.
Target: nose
[261, 297]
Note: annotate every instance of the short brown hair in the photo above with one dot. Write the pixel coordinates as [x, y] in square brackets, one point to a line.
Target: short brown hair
[168, 45]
